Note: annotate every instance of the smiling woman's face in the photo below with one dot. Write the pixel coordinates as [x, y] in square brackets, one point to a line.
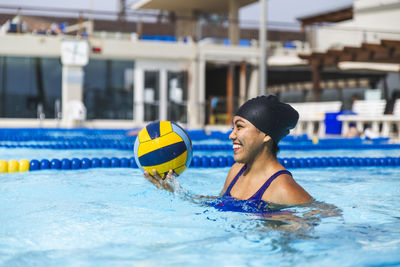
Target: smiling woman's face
[247, 140]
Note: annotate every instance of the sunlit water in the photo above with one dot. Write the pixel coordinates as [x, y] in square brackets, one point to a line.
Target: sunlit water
[108, 217]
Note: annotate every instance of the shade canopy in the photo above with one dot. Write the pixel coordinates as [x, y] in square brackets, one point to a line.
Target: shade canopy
[206, 6]
[387, 51]
[332, 16]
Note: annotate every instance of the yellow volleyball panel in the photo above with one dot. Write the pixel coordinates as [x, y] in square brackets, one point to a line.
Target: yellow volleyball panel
[13, 166]
[158, 143]
[3, 166]
[165, 127]
[23, 165]
[144, 135]
[175, 164]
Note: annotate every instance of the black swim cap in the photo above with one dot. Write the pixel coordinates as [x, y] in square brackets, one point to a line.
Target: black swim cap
[270, 116]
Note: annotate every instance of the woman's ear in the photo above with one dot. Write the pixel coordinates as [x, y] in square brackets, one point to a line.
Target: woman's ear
[267, 138]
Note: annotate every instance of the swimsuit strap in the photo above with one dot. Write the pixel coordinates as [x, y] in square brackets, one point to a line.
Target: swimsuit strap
[228, 190]
[258, 195]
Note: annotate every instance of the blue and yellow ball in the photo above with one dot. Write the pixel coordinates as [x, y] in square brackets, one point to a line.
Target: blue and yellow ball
[163, 146]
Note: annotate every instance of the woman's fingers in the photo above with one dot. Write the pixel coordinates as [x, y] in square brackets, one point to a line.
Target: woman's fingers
[169, 174]
[148, 176]
[159, 181]
[156, 175]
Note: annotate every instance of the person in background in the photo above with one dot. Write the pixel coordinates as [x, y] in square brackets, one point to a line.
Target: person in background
[353, 131]
[133, 132]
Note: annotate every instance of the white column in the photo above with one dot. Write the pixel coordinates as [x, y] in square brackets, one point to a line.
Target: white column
[72, 89]
[253, 84]
[192, 108]
[163, 95]
[74, 56]
[263, 47]
[139, 91]
[233, 30]
[202, 91]
[243, 83]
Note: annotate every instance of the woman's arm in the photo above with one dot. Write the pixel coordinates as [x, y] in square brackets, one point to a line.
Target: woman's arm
[171, 184]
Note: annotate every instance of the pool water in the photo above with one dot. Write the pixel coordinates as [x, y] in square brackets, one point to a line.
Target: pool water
[108, 217]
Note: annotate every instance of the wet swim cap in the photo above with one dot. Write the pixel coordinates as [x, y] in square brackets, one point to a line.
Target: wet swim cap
[270, 116]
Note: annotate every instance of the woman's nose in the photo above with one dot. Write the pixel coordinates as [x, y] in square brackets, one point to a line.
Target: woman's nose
[232, 135]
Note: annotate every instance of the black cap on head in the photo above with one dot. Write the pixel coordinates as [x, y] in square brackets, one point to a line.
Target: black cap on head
[270, 116]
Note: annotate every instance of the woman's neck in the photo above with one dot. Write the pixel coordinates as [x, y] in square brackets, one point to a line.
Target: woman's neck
[262, 163]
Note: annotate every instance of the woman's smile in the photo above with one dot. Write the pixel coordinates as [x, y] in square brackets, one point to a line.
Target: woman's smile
[236, 147]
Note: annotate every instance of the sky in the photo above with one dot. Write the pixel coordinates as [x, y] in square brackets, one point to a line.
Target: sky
[284, 11]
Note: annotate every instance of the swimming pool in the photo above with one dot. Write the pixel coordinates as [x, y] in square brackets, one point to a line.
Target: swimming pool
[113, 216]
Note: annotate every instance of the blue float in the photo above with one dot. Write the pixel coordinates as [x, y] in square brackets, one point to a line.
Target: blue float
[65, 164]
[34, 165]
[105, 162]
[222, 161]
[85, 163]
[213, 161]
[115, 163]
[96, 163]
[75, 164]
[124, 163]
[205, 161]
[55, 164]
[44, 164]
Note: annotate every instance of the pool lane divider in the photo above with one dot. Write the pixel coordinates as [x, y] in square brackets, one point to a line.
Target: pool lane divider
[197, 162]
[196, 147]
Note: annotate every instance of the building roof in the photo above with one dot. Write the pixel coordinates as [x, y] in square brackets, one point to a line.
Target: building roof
[208, 6]
[342, 14]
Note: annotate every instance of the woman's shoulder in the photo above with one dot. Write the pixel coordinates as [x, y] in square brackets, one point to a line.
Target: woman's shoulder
[287, 191]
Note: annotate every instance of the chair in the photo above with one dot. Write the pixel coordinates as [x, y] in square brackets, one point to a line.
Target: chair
[76, 113]
[367, 112]
[312, 114]
[389, 119]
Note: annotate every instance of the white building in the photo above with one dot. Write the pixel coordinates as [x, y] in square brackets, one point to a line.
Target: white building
[123, 74]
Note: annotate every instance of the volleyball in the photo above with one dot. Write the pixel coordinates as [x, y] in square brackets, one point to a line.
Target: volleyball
[163, 146]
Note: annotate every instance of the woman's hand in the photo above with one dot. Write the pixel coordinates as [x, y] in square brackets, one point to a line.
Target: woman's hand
[165, 183]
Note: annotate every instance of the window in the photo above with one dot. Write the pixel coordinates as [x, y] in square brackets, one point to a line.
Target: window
[27, 83]
[108, 89]
[177, 96]
[151, 95]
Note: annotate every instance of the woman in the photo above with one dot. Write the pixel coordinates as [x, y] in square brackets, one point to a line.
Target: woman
[258, 126]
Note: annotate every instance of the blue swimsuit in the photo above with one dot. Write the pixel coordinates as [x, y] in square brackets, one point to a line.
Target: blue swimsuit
[252, 205]
[258, 195]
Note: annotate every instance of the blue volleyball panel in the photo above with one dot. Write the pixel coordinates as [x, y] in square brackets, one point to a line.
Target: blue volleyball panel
[162, 155]
[153, 129]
